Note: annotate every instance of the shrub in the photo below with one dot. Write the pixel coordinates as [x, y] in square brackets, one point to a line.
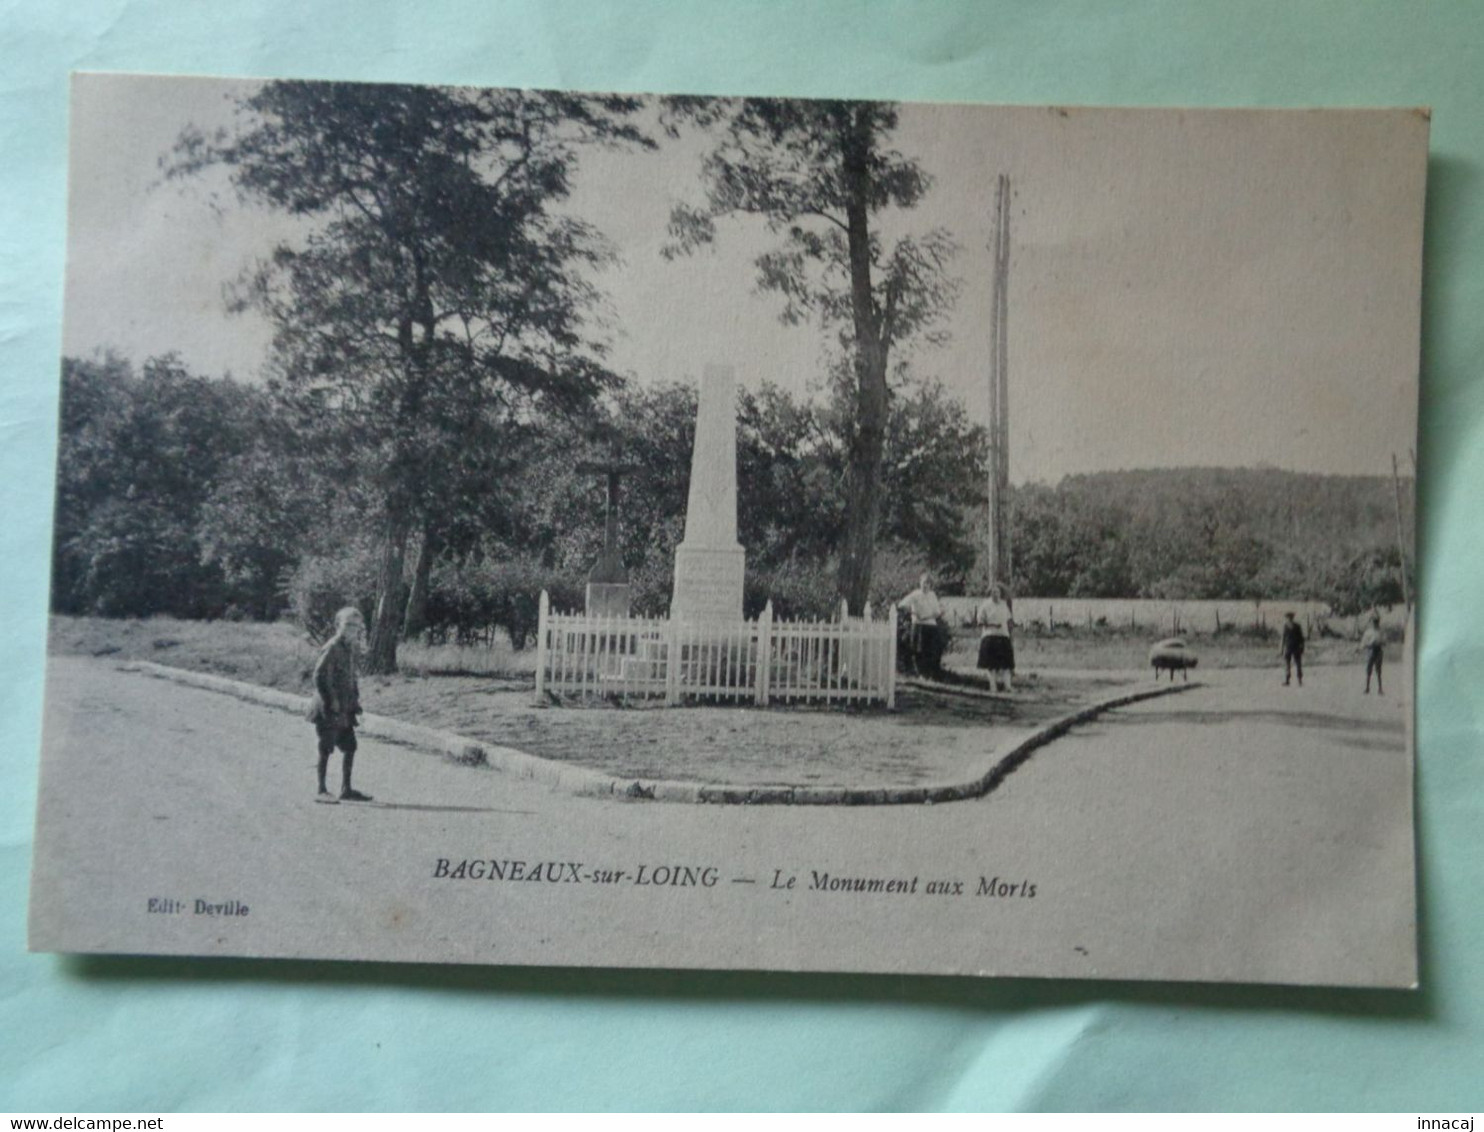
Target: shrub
[319, 586]
[651, 585]
[798, 591]
[897, 571]
[471, 602]
[810, 589]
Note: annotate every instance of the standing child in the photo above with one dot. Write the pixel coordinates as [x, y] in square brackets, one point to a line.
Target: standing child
[337, 702]
[1291, 649]
[1373, 644]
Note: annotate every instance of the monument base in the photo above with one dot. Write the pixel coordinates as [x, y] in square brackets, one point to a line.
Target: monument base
[608, 599]
[708, 583]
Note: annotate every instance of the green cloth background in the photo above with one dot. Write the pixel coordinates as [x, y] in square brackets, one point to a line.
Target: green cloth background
[153, 1035]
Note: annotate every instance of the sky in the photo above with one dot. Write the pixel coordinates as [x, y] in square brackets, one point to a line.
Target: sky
[1187, 288]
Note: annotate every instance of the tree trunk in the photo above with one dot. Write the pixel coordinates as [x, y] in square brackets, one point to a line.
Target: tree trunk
[416, 619]
[863, 484]
[868, 440]
[406, 480]
[386, 625]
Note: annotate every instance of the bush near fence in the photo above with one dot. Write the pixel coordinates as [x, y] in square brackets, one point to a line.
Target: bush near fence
[470, 604]
[473, 603]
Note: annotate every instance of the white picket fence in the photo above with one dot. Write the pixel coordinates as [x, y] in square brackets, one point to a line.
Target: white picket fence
[849, 660]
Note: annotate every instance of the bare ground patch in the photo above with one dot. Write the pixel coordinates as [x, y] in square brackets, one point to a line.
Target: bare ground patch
[932, 737]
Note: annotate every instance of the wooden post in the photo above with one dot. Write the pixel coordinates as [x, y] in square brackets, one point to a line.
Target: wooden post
[870, 656]
[543, 607]
[600, 656]
[1401, 546]
[891, 662]
[764, 651]
[835, 655]
[999, 563]
[672, 660]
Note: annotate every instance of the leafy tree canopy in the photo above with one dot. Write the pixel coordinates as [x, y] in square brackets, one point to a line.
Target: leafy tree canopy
[820, 175]
[439, 301]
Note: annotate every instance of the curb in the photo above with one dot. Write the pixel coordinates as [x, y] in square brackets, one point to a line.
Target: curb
[930, 794]
[456, 748]
[592, 783]
[919, 684]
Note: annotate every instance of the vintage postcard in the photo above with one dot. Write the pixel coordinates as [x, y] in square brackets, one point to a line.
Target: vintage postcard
[531, 527]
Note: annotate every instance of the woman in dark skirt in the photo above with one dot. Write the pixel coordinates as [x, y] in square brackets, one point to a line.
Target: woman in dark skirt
[996, 650]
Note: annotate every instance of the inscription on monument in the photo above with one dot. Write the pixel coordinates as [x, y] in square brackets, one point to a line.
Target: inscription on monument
[708, 584]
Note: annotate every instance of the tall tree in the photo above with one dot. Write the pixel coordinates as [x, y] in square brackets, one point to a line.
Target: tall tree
[791, 457]
[140, 457]
[821, 174]
[439, 299]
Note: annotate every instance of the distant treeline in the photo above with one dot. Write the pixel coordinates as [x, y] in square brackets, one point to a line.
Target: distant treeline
[1213, 533]
[210, 498]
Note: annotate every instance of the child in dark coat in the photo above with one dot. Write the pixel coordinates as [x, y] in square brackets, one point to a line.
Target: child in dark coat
[337, 702]
[1291, 649]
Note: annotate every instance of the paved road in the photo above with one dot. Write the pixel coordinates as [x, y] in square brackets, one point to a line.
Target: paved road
[1242, 801]
[1240, 831]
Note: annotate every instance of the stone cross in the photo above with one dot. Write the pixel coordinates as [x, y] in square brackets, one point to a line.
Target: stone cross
[609, 567]
[608, 591]
[709, 562]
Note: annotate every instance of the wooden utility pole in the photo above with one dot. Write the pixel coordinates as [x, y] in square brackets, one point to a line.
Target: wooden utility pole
[1000, 560]
[1401, 543]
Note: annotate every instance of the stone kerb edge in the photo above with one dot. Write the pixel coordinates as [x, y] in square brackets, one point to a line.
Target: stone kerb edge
[518, 764]
[592, 783]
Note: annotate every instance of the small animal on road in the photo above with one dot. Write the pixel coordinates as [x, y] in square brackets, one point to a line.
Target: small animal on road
[1172, 655]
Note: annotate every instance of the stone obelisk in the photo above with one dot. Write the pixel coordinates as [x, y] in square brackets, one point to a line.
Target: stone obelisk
[709, 560]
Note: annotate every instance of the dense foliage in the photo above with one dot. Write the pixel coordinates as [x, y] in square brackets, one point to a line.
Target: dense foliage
[141, 456]
[438, 300]
[209, 498]
[1227, 533]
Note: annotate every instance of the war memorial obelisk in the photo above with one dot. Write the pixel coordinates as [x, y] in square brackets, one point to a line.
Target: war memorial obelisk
[709, 560]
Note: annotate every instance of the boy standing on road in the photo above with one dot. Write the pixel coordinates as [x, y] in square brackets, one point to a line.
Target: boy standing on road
[1291, 649]
[1373, 644]
[337, 702]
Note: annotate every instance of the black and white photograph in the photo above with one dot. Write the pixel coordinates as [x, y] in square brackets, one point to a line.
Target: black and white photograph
[615, 530]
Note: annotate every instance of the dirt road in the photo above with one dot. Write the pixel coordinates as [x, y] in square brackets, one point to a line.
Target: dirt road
[1242, 831]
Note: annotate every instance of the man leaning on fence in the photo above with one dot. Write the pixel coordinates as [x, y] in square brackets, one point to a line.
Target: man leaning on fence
[927, 636]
